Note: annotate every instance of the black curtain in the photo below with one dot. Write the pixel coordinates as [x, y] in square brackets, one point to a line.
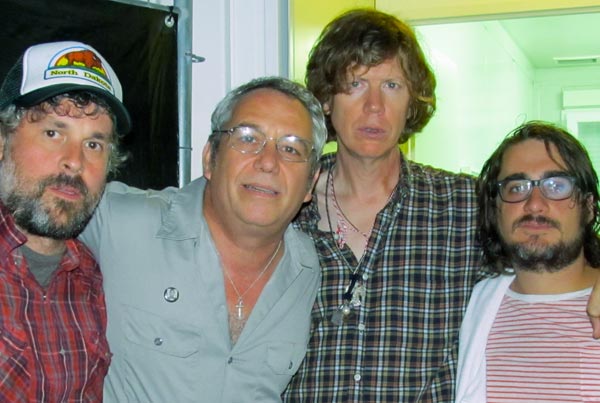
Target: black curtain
[142, 50]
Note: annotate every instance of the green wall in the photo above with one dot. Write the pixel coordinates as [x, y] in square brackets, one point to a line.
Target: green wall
[486, 86]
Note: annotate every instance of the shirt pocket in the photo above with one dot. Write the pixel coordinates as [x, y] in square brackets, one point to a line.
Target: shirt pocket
[159, 334]
[284, 358]
[14, 364]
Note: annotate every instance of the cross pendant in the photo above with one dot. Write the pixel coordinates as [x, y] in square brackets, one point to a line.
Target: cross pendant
[240, 309]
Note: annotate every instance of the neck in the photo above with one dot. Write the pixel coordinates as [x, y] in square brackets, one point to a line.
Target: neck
[237, 236]
[574, 277]
[44, 245]
[367, 179]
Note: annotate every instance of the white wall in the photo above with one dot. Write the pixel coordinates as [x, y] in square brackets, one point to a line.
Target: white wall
[550, 84]
[240, 40]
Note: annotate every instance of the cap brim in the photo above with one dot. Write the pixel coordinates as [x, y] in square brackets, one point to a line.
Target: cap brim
[42, 94]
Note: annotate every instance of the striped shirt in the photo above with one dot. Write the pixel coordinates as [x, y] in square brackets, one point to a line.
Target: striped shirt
[540, 349]
[52, 341]
[419, 268]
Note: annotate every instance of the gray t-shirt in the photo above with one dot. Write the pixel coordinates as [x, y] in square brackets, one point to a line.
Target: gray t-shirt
[41, 266]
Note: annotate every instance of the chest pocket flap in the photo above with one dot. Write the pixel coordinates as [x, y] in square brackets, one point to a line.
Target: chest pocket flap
[160, 334]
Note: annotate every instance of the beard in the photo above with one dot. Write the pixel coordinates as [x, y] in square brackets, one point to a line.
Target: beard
[32, 214]
[538, 256]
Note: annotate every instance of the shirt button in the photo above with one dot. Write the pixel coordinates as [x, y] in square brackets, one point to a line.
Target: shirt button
[158, 341]
[365, 276]
[357, 377]
[361, 327]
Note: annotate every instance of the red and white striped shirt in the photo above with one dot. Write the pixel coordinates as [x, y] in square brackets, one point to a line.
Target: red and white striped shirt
[540, 349]
[53, 346]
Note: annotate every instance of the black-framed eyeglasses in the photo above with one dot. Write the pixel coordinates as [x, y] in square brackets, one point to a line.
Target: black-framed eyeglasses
[250, 140]
[553, 188]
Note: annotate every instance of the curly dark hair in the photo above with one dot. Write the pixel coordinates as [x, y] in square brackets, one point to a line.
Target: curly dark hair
[11, 116]
[367, 37]
[578, 165]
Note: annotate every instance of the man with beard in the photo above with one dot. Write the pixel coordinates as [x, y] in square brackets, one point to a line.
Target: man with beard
[59, 125]
[526, 336]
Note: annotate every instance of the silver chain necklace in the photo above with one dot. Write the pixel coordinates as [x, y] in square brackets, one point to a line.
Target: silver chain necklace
[354, 293]
[240, 315]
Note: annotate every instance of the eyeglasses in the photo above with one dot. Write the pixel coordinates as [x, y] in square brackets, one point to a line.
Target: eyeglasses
[553, 188]
[249, 140]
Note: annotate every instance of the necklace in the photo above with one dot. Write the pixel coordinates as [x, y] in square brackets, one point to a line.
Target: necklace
[356, 291]
[342, 220]
[240, 304]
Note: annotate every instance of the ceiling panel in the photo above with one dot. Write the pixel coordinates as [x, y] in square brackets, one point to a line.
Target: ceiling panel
[567, 36]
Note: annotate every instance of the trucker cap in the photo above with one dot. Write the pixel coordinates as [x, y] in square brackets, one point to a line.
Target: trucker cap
[51, 69]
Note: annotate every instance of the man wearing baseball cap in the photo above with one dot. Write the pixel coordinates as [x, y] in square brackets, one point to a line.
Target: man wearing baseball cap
[61, 115]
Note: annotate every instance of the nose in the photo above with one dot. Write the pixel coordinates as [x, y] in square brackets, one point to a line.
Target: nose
[536, 202]
[72, 158]
[374, 101]
[267, 160]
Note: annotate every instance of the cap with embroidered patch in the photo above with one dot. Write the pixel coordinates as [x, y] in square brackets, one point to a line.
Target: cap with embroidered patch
[51, 69]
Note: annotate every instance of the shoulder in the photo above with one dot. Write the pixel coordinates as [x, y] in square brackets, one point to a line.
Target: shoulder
[126, 212]
[87, 263]
[491, 285]
[126, 201]
[302, 248]
[118, 192]
[425, 175]
[438, 190]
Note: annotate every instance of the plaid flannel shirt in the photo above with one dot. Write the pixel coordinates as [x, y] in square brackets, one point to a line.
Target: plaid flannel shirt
[421, 263]
[52, 341]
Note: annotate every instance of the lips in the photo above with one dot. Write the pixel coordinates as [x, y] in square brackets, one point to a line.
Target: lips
[536, 223]
[372, 132]
[267, 191]
[65, 187]
[66, 192]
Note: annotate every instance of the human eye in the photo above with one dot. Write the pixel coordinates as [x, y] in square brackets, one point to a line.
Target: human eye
[513, 190]
[246, 135]
[516, 187]
[51, 134]
[293, 148]
[559, 185]
[95, 145]
[290, 149]
[393, 85]
[354, 84]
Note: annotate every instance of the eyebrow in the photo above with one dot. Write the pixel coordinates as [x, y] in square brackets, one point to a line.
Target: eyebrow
[261, 130]
[247, 124]
[102, 136]
[59, 124]
[547, 174]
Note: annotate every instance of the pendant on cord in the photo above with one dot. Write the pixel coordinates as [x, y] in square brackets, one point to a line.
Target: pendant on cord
[352, 297]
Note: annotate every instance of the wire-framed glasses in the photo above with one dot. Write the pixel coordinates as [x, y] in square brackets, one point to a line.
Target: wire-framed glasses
[553, 188]
[250, 140]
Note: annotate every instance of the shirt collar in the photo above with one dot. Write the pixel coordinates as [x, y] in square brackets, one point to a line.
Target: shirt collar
[11, 238]
[10, 235]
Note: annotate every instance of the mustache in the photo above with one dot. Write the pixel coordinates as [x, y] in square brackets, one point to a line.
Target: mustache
[65, 180]
[539, 219]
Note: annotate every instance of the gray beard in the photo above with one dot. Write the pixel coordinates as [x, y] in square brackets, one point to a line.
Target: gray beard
[29, 212]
